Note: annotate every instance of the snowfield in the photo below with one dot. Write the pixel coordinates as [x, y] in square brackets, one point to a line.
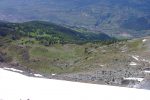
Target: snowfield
[15, 86]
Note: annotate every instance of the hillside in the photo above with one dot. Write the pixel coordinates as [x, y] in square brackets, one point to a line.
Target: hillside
[126, 18]
[30, 47]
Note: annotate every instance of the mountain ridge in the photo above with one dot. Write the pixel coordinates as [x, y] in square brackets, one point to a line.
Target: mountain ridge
[48, 33]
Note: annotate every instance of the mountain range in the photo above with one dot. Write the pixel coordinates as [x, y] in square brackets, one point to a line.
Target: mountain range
[128, 18]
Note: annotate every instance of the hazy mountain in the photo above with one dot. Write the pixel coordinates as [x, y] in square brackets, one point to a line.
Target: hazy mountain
[122, 17]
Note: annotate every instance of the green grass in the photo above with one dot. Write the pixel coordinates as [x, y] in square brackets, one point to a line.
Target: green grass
[135, 45]
[52, 52]
[70, 58]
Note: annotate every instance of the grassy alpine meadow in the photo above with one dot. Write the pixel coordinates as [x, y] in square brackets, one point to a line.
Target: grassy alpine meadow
[66, 58]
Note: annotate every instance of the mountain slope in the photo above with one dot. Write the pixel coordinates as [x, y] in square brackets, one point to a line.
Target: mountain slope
[120, 63]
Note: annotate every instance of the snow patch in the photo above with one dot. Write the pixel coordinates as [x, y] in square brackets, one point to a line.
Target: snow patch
[53, 74]
[12, 69]
[147, 71]
[136, 57]
[134, 79]
[102, 65]
[144, 40]
[37, 75]
[133, 64]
